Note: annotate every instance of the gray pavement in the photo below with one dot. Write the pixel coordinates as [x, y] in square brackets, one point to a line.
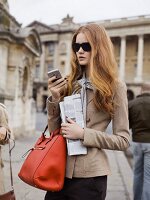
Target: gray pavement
[119, 183]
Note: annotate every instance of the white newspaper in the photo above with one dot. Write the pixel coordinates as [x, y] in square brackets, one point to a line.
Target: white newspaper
[72, 108]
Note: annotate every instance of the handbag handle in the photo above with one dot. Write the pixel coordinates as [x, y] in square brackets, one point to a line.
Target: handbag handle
[42, 138]
[45, 130]
[10, 163]
[52, 134]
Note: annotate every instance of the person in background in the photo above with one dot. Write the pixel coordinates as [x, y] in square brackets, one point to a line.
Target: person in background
[93, 71]
[139, 120]
[4, 136]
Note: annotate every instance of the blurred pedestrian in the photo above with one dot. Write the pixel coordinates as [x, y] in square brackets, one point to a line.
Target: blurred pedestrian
[93, 75]
[4, 136]
[139, 119]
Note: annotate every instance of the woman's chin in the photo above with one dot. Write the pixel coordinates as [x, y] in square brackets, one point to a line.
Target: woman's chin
[83, 64]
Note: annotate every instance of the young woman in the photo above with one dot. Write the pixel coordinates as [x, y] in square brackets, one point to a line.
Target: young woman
[106, 100]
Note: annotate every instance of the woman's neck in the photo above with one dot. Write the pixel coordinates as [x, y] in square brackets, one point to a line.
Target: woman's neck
[85, 70]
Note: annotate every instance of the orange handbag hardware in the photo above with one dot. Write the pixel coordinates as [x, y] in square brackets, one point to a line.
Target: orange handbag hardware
[45, 166]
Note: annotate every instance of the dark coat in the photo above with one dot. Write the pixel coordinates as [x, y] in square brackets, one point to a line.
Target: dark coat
[139, 118]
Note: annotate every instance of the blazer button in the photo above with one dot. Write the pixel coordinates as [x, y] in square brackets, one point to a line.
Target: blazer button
[88, 120]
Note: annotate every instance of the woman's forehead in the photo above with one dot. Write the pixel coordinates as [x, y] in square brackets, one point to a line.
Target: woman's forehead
[81, 37]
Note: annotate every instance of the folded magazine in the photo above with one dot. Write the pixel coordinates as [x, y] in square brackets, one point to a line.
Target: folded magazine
[72, 108]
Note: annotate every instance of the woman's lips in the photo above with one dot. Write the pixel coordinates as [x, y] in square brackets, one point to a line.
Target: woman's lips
[81, 58]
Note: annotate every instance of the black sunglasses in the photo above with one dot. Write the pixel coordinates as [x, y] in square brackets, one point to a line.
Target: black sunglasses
[85, 46]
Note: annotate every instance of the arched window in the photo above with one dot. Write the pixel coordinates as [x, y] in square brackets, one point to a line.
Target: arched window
[25, 82]
[51, 48]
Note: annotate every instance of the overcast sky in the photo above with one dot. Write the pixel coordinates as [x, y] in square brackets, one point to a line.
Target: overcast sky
[52, 11]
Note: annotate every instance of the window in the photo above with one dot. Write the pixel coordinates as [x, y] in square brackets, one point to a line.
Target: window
[37, 71]
[51, 48]
[25, 82]
[62, 63]
[45, 88]
[50, 65]
[62, 48]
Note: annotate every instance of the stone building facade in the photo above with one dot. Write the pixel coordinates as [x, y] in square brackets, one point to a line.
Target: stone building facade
[131, 39]
[18, 49]
[56, 43]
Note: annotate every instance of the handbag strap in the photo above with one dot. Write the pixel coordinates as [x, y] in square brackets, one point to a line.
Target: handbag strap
[45, 130]
[10, 163]
[53, 133]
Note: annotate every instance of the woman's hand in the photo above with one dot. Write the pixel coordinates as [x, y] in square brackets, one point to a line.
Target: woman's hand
[3, 133]
[56, 87]
[72, 130]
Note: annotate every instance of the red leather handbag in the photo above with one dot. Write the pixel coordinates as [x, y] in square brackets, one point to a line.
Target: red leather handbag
[44, 167]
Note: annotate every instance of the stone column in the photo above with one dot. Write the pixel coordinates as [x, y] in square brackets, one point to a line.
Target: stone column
[42, 62]
[139, 69]
[122, 57]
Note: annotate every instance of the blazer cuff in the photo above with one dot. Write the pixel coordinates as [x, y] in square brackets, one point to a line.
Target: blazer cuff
[87, 140]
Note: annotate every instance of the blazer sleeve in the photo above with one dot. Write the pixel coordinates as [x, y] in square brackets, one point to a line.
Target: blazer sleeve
[4, 118]
[4, 123]
[120, 139]
[53, 112]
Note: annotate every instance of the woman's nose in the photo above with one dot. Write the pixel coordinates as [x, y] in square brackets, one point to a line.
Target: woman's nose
[81, 50]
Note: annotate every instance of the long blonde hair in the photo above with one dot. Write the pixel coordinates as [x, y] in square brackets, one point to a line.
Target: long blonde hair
[103, 67]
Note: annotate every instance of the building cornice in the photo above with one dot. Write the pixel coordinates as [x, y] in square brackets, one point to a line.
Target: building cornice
[10, 16]
[126, 22]
[21, 37]
[36, 23]
[108, 24]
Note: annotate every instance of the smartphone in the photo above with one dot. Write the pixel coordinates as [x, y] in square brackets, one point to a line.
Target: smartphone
[54, 72]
